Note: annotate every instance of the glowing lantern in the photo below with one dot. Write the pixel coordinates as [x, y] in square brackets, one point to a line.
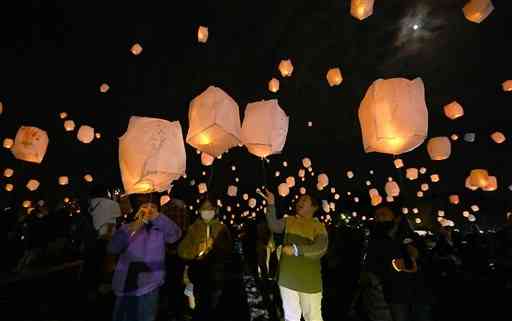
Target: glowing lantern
[306, 162]
[202, 34]
[30, 144]
[273, 85]
[465, 213]
[85, 134]
[290, 181]
[252, 203]
[507, 85]
[88, 178]
[454, 137]
[411, 173]
[301, 173]
[440, 213]
[419, 194]
[424, 187]
[434, 178]
[206, 159]
[32, 185]
[63, 115]
[475, 208]
[336, 196]
[477, 10]
[323, 180]
[9, 187]
[334, 77]
[264, 128]
[8, 172]
[104, 88]
[479, 177]
[405, 210]
[302, 190]
[376, 200]
[1, 108]
[415, 211]
[8, 143]
[356, 199]
[393, 116]
[361, 9]
[232, 190]
[470, 137]
[469, 185]
[350, 174]
[471, 218]
[283, 189]
[439, 148]
[423, 170]
[373, 192]
[325, 206]
[454, 199]
[498, 137]
[202, 188]
[98, 135]
[63, 180]
[398, 163]
[286, 68]
[389, 199]
[453, 110]
[214, 122]
[418, 220]
[69, 125]
[136, 49]
[151, 155]
[26, 204]
[392, 189]
[492, 184]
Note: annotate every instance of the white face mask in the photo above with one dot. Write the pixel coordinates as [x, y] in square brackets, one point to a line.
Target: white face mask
[207, 215]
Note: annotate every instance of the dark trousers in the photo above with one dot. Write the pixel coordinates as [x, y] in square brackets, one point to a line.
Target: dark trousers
[174, 287]
[136, 308]
[410, 312]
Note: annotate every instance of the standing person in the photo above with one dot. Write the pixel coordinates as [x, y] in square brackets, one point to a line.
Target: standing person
[207, 246]
[305, 243]
[140, 270]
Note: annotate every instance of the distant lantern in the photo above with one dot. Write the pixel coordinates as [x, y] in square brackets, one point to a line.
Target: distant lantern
[323, 180]
[440, 213]
[69, 125]
[418, 220]
[319, 187]
[439, 148]
[245, 197]
[8, 143]
[498, 137]
[398, 163]
[469, 185]
[264, 128]
[411, 173]
[453, 110]
[232, 191]
[423, 170]
[202, 188]
[454, 199]
[88, 178]
[465, 213]
[306, 162]
[151, 155]
[277, 173]
[333, 190]
[63, 115]
[393, 116]
[301, 173]
[477, 10]
[164, 199]
[507, 85]
[302, 190]
[492, 184]
[285, 164]
[8, 172]
[30, 144]
[252, 203]
[290, 181]
[434, 178]
[104, 88]
[368, 183]
[214, 122]
[32, 185]
[63, 180]
[470, 137]
[310, 124]
[419, 194]
[273, 85]
[479, 177]
[454, 137]
[373, 192]
[286, 68]
[392, 189]
[415, 211]
[98, 135]
[85, 134]
[424, 187]
[405, 210]
[207, 159]
[9, 187]
[389, 199]
[475, 208]
[350, 174]
[136, 49]
[202, 34]
[336, 196]
[376, 200]
[356, 199]
[325, 206]
[26, 204]
[283, 189]
[361, 9]
[334, 77]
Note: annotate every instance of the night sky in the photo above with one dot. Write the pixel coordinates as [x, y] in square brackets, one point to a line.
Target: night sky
[55, 54]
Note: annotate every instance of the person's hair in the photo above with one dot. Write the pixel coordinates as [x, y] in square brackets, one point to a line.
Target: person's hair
[99, 190]
[207, 199]
[136, 200]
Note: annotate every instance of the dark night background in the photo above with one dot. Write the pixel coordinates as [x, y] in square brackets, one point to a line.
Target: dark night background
[55, 54]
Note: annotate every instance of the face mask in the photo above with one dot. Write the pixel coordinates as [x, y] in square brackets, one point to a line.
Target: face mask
[207, 215]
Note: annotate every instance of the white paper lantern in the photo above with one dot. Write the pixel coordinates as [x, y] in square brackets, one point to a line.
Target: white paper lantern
[164, 199]
[423, 170]
[207, 159]
[63, 115]
[264, 128]
[104, 88]
[419, 194]
[440, 213]
[214, 122]
[361, 9]
[88, 178]
[283, 189]
[334, 77]
[202, 34]
[252, 203]
[63, 180]
[97, 135]
[8, 172]
[477, 10]
[350, 174]
[69, 125]
[9, 187]
[302, 190]
[232, 190]
[470, 137]
[389, 199]
[325, 206]
[151, 155]
[32, 185]
[393, 116]
[479, 177]
[468, 184]
[85, 134]
[392, 189]
[425, 187]
[475, 208]
[286, 68]
[492, 184]
[454, 199]
[273, 85]
[411, 173]
[136, 49]
[30, 144]
[434, 178]
[26, 204]
[301, 173]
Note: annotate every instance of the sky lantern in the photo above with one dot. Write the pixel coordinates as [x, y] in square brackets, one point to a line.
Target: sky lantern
[361, 9]
[283, 189]
[477, 10]
[393, 116]
[479, 177]
[207, 159]
[286, 68]
[151, 155]
[306, 162]
[245, 196]
[390, 199]
[273, 85]
[325, 206]
[26, 204]
[454, 199]
[69, 125]
[376, 200]
[97, 135]
[469, 185]
[454, 137]
[252, 203]
[63, 115]
[232, 191]
[202, 34]
[491, 185]
[32, 185]
[202, 188]
[419, 194]
[350, 174]
[453, 110]
[85, 134]
[423, 170]
[392, 189]
[470, 137]
[398, 163]
[425, 187]
[264, 128]
[8, 172]
[334, 77]
[9, 187]
[30, 144]
[136, 49]
[373, 192]
[507, 85]
[475, 208]
[465, 213]
[411, 173]
[88, 178]
[63, 180]
[301, 173]
[439, 148]
[434, 178]
[323, 180]
[214, 122]
[8, 143]
[290, 181]
[164, 199]
[440, 213]
[302, 190]
[104, 88]
[498, 137]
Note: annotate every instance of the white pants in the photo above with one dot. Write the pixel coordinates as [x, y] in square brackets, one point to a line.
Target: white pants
[296, 304]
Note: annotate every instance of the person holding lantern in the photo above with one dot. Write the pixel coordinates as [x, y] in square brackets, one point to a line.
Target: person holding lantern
[305, 243]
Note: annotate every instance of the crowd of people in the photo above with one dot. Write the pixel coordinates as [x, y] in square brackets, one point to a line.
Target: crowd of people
[148, 254]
